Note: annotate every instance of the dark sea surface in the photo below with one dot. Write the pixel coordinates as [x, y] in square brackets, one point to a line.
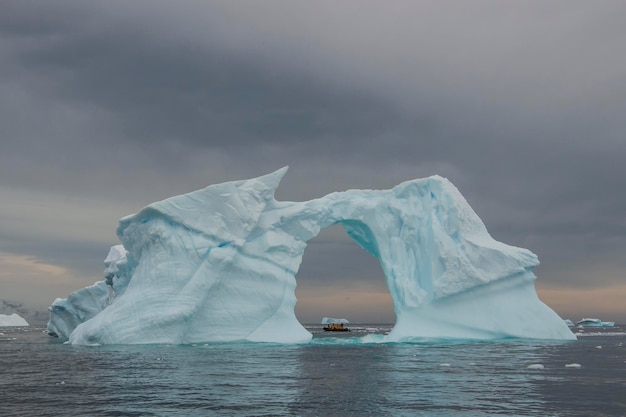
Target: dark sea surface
[337, 374]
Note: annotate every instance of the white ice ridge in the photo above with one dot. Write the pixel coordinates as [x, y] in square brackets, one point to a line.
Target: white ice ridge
[219, 264]
[12, 320]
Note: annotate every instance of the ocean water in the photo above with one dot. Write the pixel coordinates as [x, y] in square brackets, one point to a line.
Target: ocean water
[337, 374]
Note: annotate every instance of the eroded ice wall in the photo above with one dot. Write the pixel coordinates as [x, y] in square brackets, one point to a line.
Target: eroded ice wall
[219, 264]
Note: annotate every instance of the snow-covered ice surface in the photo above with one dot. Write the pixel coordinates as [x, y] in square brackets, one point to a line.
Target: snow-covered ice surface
[12, 320]
[219, 264]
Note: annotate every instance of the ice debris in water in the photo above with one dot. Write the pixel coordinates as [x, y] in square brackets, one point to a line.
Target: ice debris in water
[219, 264]
[535, 366]
[573, 365]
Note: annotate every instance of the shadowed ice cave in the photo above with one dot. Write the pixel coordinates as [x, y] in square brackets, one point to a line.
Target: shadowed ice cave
[219, 264]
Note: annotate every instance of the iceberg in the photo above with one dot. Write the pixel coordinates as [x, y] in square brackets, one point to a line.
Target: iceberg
[219, 264]
[12, 320]
[331, 320]
[594, 323]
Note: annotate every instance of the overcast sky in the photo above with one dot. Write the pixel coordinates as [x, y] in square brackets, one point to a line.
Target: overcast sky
[106, 107]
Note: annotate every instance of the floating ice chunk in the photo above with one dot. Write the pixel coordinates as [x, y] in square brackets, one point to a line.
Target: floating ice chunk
[535, 366]
[573, 365]
[219, 264]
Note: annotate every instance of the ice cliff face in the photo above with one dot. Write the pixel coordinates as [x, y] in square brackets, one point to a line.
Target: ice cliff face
[219, 264]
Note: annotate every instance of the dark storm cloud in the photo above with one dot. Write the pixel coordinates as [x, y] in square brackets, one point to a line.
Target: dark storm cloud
[199, 96]
[520, 105]
[111, 101]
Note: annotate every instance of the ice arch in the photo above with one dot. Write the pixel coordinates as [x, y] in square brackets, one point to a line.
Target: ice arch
[219, 264]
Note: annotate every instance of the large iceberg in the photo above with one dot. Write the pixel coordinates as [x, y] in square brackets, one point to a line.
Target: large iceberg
[219, 264]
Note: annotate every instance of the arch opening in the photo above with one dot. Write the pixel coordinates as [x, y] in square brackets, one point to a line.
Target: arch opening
[339, 278]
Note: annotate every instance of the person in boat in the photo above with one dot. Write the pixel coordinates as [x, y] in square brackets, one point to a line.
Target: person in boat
[339, 327]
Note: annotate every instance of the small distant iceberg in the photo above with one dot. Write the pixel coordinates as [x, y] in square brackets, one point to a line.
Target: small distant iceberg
[14, 320]
[330, 320]
[335, 325]
[595, 323]
[569, 322]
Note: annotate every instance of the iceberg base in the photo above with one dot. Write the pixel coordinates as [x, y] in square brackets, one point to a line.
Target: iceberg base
[508, 308]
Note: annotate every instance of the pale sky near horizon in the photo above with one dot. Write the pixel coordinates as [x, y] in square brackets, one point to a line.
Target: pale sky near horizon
[106, 107]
